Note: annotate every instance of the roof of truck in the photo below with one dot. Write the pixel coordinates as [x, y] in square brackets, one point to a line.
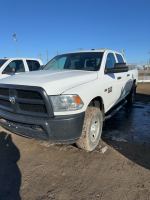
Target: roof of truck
[17, 58]
[94, 50]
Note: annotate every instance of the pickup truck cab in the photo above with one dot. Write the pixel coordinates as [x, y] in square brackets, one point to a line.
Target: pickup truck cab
[12, 66]
[69, 99]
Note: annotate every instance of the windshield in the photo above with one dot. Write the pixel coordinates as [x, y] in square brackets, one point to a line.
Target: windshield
[89, 61]
[2, 61]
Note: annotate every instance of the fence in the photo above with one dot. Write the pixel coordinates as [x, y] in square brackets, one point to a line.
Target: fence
[143, 73]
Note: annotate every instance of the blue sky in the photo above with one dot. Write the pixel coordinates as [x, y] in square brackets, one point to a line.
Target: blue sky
[66, 25]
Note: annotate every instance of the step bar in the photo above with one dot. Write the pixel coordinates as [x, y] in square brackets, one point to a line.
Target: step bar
[116, 110]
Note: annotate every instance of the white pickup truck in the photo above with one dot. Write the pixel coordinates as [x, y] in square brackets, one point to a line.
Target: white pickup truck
[12, 66]
[69, 99]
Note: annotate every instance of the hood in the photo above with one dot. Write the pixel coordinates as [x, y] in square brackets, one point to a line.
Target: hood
[52, 81]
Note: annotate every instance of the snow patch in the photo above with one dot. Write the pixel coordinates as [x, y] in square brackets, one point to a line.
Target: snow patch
[104, 149]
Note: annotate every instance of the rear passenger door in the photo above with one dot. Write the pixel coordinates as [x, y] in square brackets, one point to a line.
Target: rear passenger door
[126, 83]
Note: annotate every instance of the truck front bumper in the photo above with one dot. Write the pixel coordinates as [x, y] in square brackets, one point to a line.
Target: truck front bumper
[60, 129]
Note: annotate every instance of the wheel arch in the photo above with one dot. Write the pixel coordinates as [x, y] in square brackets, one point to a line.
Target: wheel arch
[135, 82]
[98, 103]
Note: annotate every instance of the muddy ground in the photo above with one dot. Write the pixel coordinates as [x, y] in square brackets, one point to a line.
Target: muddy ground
[38, 170]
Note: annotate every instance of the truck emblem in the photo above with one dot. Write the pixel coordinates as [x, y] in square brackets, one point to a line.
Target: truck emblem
[12, 100]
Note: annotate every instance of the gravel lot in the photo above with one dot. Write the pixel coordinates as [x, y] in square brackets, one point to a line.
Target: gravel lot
[37, 170]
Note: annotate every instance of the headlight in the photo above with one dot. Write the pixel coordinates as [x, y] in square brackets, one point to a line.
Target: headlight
[66, 103]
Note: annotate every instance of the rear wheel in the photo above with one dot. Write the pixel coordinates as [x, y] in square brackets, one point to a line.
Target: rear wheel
[131, 95]
[92, 129]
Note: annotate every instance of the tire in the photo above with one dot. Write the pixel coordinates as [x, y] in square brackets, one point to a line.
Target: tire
[131, 96]
[92, 129]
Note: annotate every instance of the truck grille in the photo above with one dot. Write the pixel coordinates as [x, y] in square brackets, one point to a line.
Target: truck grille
[28, 94]
[27, 100]
[4, 91]
[5, 103]
[32, 107]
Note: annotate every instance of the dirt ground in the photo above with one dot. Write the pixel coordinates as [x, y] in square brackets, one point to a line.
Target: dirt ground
[37, 170]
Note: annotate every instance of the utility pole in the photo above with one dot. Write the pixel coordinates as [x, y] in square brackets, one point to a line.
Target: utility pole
[142, 63]
[40, 55]
[57, 52]
[122, 51]
[149, 62]
[80, 48]
[47, 55]
[15, 38]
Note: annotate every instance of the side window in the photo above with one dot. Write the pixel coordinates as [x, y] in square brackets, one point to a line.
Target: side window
[119, 58]
[110, 62]
[17, 64]
[33, 65]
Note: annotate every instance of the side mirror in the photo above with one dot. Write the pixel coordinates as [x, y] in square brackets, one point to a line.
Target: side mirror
[119, 67]
[9, 70]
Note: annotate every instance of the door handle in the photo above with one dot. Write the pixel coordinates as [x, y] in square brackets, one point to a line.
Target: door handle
[119, 77]
[128, 74]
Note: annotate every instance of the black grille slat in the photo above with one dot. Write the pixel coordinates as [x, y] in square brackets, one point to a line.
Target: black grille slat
[32, 107]
[27, 94]
[4, 91]
[5, 103]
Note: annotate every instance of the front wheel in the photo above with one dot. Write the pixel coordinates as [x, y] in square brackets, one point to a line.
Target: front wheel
[92, 129]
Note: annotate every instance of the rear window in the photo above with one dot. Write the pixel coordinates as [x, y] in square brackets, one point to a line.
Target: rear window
[119, 58]
[33, 65]
[2, 61]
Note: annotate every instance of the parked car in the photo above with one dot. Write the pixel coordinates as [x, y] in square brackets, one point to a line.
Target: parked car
[11, 66]
[69, 99]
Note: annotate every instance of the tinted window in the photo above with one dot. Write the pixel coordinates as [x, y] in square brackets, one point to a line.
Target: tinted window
[17, 64]
[110, 62]
[89, 61]
[119, 58]
[2, 61]
[33, 65]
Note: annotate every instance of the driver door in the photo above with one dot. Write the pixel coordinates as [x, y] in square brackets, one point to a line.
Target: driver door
[111, 83]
